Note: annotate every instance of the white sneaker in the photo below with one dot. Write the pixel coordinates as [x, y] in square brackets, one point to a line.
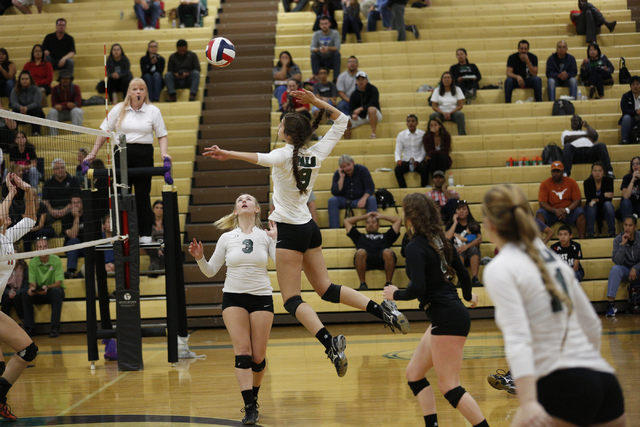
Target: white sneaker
[145, 240]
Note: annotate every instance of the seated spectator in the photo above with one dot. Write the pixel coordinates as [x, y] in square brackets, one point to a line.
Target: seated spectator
[82, 153]
[522, 71]
[23, 155]
[325, 48]
[119, 72]
[364, 105]
[152, 67]
[183, 71]
[445, 198]
[42, 229]
[581, 146]
[147, 9]
[347, 85]
[46, 286]
[58, 190]
[626, 257]
[596, 71]
[324, 8]
[100, 186]
[24, 5]
[410, 154]
[12, 297]
[27, 99]
[589, 20]
[569, 251]
[630, 107]
[465, 75]
[60, 48]
[373, 249]
[598, 193]
[66, 100]
[72, 231]
[156, 256]
[287, 5]
[545, 230]
[377, 13]
[447, 100]
[437, 145]
[352, 185]
[560, 198]
[630, 202]
[109, 258]
[351, 22]
[284, 70]
[7, 74]
[8, 123]
[5, 5]
[291, 104]
[325, 89]
[397, 20]
[469, 252]
[562, 71]
[191, 8]
[41, 70]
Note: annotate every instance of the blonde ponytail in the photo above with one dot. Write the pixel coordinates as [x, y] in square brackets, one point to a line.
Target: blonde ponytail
[230, 222]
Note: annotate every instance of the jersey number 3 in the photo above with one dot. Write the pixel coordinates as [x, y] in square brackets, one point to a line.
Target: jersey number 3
[247, 246]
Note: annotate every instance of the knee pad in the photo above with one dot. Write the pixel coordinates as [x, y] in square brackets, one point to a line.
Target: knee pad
[259, 367]
[417, 386]
[29, 353]
[243, 361]
[332, 294]
[292, 304]
[454, 395]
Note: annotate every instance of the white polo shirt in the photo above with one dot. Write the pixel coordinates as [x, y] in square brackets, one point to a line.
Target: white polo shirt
[447, 102]
[139, 126]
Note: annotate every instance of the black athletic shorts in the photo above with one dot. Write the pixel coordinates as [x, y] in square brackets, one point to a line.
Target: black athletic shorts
[299, 237]
[375, 260]
[581, 396]
[453, 319]
[249, 302]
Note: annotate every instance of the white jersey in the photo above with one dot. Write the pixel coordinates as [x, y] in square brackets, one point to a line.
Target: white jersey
[290, 205]
[246, 256]
[7, 240]
[537, 339]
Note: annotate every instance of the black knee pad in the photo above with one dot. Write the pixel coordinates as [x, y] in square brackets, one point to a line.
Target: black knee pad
[29, 353]
[417, 386]
[292, 304]
[332, 294]
[243, 361]
[454, 395]
[259, 367]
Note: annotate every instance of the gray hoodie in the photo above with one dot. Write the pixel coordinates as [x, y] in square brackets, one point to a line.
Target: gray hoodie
[627, 255]
[30, 98]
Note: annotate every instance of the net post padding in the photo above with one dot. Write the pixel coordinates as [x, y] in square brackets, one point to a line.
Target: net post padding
[171, 274]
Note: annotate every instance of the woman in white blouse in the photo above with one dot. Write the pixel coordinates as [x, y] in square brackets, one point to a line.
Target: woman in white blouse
[447, 101]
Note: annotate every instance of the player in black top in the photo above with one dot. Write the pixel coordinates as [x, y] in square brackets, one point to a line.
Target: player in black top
[432, 263]
[374, 249]
[569, 251]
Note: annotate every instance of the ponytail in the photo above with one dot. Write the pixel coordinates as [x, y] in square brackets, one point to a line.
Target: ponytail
[230, 222]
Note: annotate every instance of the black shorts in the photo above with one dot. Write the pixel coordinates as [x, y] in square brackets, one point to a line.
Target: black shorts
[299, 237]
[375, 260]
[452, 319]
[249, 302]
[581, 396]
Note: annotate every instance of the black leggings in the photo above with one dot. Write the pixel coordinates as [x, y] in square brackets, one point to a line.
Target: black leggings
[598, 77]
[439, 162]
[141, 156]
[34, 112]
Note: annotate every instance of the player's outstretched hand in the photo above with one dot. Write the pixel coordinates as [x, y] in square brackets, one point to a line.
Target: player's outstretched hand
[195, 249]
[532, 414]
[305, 96]
[273, 230]
[216, 152]
[19, 182]
[388, 291]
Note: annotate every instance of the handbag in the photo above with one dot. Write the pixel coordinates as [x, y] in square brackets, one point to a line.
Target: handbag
[624, 76]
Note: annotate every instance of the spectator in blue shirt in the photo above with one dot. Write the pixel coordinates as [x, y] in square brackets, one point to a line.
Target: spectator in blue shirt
[353, 185]
[562, 71]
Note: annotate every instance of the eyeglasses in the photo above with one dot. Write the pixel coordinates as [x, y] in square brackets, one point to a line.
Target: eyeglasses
[462, 202]
[41, 238]
[635, 163]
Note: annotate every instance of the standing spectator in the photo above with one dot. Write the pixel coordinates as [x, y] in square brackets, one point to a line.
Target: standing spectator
[11, 297]
[7, 74]
[27, 99]
[522, 71]
[598, 193]
[72, 231]
[410, 154]
[630, 202]
[364, 105]
[183, 71]
[437, 146]
[351, 22]
[447, 101]
[347, 84]
[352, 185]
[596, 71]
[470, 252]
[445, 198]
[379, 12]
[147, 9]
[41, 70]
[156, 256]
[630, 107]
[397, 20]
[119, 72]
[589, 21]
[284, 70]
[23, 5]
[152, 67]
[59, 47]
[325, 48]
[59, 189]
[581, 146]
[562, 71]
[324, 8]
[23, 155]
[560, 198]
[569, 251]
[465, 75]
[190, 7]
[325, 89]
[66, 100]
[82, 153]
[626, 257]
[291, 104]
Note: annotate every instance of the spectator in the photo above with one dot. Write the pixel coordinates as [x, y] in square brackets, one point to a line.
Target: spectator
[351, 22]
[156, 256]
[46, 286]
[58, 190]
[325, 48]
[183, 72]
[42, 229]
[569, 251]
[23, 155]
[445, 198]
[284, 70]
[152, 67]
[347, 84]
[598, 192]
[119, 72]
[437, 146]
[287, 5]
[447, 100]
[589, 21]
[82, 153]
[291, 104]
[562, 71]
[109, 258]
[41, 70]
[27, 99]
[353, 186]
[630, 202]
[60, 48]
[373, 249]
[470, 252]
[101, 187]
[630, 107]
[397, 20]
[147, 9]
[23, 5]
[66, 100]
[626, 257]
[545, 231]
[72, 231]
[324, 8]
[465, 75]
[560, 198]
[522, 71]
[12, 297]
[364, 105]
[7, 74]
[194, 8]
[581, 146]
[325, 89]
[377, 13]
[5, 5]
[410, 154]
[6, 137]
[596, 71]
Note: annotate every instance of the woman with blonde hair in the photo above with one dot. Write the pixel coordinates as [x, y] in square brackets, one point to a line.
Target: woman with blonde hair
[551, 331]
[138, 120]
[247, 303]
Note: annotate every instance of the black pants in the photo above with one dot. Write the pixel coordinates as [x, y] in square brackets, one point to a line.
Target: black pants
[589, 23]
[287, 5]
[571, 154]
[54, 296]
[118, 85]
[439, 162]
[597, 77]
[403, 168]
[34, 112]
[141, 156]
[15, 302]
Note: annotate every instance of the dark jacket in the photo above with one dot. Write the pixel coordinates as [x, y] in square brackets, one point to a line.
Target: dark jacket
[369, 98]
[148, 68]
[354, 186]
[628, 106]
[585, 69]
[457, 71]
[124, 64]
[430, 147]
[553, 66]
[30, 98]
[590, 190]
[183, 63]
[626, 255]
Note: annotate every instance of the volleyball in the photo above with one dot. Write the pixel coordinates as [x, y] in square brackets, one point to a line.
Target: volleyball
[220, 52]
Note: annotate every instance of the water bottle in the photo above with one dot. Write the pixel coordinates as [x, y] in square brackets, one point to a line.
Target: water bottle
[173, 23]
[579, 98]
[121, 15]
[500, 84]
[411, 166]
[451, 184]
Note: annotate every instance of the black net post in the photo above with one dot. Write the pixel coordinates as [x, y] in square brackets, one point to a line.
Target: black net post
[90, 285]
[170, 207]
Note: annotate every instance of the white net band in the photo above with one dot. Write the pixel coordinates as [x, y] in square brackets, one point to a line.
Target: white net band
[69, 248]
[49, 123]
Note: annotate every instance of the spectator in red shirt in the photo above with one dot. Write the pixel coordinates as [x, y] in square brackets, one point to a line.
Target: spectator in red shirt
[41, 70]
[291, 104]
[66, 100]
[445, 198]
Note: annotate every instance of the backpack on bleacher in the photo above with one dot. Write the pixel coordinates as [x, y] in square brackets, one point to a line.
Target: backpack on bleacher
[624, 76]
[563, 107]
[634, 135]
[551, 153]
[385, 199]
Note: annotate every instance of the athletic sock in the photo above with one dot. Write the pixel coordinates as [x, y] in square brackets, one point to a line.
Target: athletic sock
[3, 366]
[431, 420]
[255, 392]
[247, 396]
[375, 309]
[484, 423]
[325, 338]
[4, 389]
